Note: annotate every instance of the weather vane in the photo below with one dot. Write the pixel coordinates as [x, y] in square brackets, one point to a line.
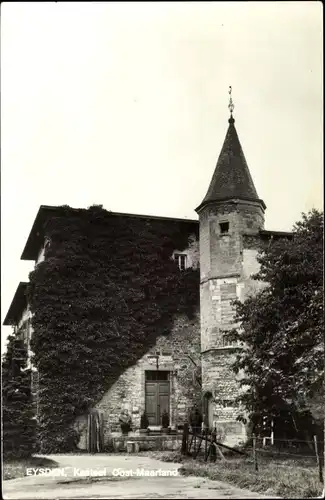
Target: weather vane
[231, 103]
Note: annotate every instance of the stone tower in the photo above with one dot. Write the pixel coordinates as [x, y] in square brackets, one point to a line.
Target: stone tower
[230, 211]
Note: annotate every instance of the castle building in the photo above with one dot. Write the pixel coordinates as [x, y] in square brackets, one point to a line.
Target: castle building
[223, 243]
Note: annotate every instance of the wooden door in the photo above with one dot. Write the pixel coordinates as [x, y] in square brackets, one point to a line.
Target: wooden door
[157, 396]
[151, 402]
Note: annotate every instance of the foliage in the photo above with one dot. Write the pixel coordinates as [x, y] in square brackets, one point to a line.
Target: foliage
[17, 416]
[106, 290]
[282, 325]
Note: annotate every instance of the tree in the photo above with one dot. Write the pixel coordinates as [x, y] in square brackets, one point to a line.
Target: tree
[18, 423]
[282, 326]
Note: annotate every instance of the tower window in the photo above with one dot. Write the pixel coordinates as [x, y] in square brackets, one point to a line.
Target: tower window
[181, 259]
[224, 227]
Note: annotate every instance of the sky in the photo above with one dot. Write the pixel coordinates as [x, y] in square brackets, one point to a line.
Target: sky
[126, 105]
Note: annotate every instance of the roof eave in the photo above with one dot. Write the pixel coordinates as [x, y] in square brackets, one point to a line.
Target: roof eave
[283, 234]
[34, 239]
[229, 200]
[29, 252]
[17, 306]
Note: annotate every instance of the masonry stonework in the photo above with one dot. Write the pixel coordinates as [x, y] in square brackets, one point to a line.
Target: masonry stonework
[128, 392]
[230, 212]
[176, 353]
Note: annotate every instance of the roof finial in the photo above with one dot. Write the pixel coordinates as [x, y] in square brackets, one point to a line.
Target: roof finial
[231, 105]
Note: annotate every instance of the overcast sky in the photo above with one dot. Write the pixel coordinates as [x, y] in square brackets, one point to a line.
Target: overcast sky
[125, 105]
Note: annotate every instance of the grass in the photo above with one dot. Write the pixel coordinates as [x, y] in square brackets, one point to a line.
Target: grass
[285, 477]
[14, 468]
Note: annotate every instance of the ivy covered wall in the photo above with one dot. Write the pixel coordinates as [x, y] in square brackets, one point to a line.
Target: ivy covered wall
[105, 292]
[17, 407]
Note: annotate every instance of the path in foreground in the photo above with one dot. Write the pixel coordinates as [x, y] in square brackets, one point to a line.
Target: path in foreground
[110, 486]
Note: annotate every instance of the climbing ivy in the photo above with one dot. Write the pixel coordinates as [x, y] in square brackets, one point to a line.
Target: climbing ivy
[106, 290]
[17, 406]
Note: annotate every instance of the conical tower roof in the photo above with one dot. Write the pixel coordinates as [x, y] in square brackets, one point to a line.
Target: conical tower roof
[231, 178]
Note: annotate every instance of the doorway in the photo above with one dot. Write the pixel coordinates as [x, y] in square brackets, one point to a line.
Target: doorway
[208, 406]
[157, 395]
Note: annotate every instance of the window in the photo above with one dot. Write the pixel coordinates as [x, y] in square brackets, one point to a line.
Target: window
[224, 227]
[181, 259]
[157, 376]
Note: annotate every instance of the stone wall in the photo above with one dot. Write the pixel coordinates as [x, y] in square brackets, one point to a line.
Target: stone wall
[220, 382]
[226, 267]
[115, 441]
[217, 312]
[129, 390]
[218, 377]
[250, 267]
[220, 254]
[161, 443]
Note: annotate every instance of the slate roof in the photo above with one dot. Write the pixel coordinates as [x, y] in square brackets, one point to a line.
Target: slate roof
[231, 178]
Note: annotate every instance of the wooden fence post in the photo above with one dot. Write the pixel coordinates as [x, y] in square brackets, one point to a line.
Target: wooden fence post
[185, 439]
[199, 444]
[213, 451]
[206, 444]
[319, 463]
[254, 453]
[88, 433]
